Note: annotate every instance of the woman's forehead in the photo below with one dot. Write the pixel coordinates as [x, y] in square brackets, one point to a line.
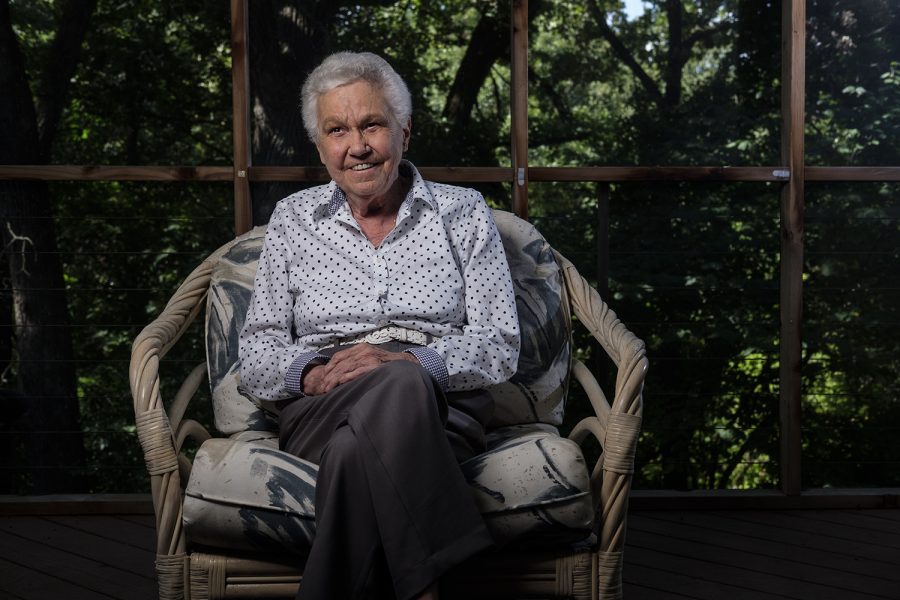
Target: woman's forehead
[354, 100]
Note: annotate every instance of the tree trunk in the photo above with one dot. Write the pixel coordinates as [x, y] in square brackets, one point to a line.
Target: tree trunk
[488, 44]
[676, 53]
[288, 39]
[52, 449]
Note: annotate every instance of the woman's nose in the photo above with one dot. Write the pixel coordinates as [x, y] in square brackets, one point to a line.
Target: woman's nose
[358, 143]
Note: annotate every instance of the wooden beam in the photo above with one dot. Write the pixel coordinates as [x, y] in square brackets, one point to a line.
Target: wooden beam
[77, 504]
[624, 174]
[448, 174]
[519, 105]
[240, 105]
[852, 173]
[764, 499]
[444, 174]
[114, 173]
[793, 79]
[659, 500]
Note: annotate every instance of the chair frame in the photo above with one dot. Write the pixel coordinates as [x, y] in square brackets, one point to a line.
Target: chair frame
[593, 572]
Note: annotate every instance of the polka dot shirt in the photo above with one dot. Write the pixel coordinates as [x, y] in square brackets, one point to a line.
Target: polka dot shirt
[441, 271]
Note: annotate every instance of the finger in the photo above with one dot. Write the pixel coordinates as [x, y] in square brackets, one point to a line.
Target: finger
[354, 349]
[358, 372]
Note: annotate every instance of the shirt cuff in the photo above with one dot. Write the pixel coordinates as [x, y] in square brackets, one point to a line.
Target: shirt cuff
[433, 363]
[293, 379]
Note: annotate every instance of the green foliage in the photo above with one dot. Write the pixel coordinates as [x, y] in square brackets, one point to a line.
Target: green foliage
[693, 268]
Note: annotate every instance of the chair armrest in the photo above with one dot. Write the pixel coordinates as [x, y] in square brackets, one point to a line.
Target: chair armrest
[153, 428]
[622, 421]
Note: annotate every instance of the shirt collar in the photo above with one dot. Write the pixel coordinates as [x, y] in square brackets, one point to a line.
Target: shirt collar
[335, 198]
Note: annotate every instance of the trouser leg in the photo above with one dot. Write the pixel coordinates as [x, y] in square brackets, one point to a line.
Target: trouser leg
[347, 542]
[392, 422]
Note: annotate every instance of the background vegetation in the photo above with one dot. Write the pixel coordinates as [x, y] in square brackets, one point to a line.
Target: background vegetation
[693, 268]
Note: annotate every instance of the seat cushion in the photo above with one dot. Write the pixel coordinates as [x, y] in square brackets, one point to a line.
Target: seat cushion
[536, 393]
[245, 494]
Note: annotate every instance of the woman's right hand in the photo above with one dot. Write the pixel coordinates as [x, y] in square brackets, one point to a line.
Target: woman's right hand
[347, 365]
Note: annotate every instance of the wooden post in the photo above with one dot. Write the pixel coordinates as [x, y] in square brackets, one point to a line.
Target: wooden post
[602, 239]
[519, 106]
[240, 105]
[601, 246]
[793, 77]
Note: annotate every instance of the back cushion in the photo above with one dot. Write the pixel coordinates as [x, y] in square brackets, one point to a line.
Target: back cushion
[226, 310]
[536, 393]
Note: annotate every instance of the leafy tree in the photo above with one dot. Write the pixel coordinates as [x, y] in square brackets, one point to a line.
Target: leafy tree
[693, 268]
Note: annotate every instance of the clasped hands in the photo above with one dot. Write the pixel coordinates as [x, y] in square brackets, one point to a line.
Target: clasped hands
[347, 365]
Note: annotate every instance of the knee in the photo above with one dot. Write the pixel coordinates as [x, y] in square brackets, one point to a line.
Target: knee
[406, 374]
[341, 447]
[409, 391]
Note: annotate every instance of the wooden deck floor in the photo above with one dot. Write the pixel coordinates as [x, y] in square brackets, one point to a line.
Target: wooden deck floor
[732, 555]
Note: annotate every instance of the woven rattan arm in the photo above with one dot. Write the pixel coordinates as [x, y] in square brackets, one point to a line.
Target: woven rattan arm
[154, 429]
[622, 424]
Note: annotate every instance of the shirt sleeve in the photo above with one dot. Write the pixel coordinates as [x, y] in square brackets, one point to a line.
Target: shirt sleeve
[267, 348]
[487, 350]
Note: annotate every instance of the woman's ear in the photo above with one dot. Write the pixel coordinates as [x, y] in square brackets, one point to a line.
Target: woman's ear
[407, 131]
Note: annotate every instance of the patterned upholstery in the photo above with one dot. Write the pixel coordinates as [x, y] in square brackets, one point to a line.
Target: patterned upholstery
[530, 484]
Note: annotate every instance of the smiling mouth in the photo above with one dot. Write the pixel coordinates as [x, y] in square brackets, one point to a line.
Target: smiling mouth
[362, 167]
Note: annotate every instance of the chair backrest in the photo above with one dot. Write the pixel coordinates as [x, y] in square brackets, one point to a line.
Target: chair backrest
[536, 393]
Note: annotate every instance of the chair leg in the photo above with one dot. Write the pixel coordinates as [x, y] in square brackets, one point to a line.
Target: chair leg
[609, 575]
[170, 576]
[207, 577]
[576, 576]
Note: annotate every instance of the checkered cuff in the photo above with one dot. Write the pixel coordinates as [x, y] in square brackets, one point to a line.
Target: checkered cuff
[293, 379]
[433, 363]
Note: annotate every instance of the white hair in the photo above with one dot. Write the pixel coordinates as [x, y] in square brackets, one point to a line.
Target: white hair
[344, 68]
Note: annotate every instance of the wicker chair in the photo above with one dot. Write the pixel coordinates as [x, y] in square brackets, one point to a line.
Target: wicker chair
[581, 558]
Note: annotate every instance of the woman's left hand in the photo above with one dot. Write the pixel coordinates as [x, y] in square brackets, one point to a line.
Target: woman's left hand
[347, 365]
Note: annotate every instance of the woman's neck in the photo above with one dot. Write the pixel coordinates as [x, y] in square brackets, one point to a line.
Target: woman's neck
[381, 207]
[378, 216]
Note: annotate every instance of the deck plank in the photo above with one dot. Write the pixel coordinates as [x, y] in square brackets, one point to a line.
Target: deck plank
[659, 579]
[670, 555]
[776, 531]
[744, 579]
[24, 582]
[112, 529]
[799, 521]
[104, 578]
[92, 539]
[833, 560]
[861, 520]
[788, 572]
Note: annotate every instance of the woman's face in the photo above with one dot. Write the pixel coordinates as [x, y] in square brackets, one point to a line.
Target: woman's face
[360, 142]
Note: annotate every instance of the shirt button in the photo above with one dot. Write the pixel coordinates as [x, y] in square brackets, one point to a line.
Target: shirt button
[382, 322]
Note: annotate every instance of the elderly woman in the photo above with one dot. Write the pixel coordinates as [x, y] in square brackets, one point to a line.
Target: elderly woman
[382, 309]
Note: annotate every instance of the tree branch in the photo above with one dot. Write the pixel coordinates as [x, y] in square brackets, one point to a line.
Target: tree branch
[489, 42]
[705, 35]
[65, 53]
[623, 54]
[559, 103]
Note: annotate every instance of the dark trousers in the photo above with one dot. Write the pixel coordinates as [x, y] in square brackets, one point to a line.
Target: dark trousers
[393, 511]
